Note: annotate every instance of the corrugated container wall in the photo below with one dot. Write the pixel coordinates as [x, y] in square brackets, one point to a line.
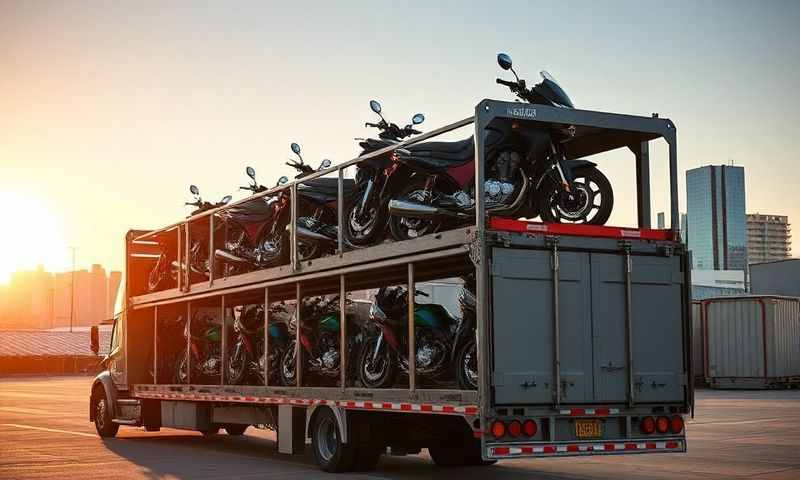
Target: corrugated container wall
[752, 341]
[697, 341]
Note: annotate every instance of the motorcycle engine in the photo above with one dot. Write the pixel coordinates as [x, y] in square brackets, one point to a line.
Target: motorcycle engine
[500, 186]
[329, 356]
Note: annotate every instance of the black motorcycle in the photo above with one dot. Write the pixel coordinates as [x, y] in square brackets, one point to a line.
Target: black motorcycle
[165, 273]
[377, 181]
[246, 357]
[527, 173]
[204, 352]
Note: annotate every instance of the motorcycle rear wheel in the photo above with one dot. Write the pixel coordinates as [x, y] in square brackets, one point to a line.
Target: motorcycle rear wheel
[467, 366]
[555, 207]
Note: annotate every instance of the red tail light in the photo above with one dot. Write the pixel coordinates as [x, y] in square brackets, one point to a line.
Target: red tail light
[648, 425]
[676, 424]
[498, 429]
[662, 424]
[515, 428]
[529, 428]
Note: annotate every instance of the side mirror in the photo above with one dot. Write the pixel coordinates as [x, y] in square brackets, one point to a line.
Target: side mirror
[375, 106]
[417, 119]
[504, 60]
[94, 338]
[296, 148]
[194, 190]
[226, 199]
[251, 172]
[325, 164]
[283, 179]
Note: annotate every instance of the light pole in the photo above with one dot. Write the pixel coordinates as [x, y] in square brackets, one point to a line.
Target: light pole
[72, 291]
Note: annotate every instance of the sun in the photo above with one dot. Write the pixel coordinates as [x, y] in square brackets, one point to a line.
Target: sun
[32, 235]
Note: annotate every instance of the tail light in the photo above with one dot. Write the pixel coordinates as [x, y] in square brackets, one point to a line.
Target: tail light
[529, 428]
[648, 425]
[676, 424]
[515, 428]
[662, 424]
[498, 429]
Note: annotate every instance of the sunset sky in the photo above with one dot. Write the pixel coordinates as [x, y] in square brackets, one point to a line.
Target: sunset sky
[109, 110]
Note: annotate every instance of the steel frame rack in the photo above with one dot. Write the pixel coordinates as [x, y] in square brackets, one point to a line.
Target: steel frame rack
[434, 256]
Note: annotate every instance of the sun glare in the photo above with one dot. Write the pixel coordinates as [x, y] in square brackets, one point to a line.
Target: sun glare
[32, 235]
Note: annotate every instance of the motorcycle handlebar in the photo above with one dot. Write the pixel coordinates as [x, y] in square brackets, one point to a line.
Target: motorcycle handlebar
[512, 85]
[374, 125]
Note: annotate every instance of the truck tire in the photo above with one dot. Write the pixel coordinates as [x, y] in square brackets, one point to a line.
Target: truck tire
[330, 453]
[103, 422]
[235, 429]
[211, 431]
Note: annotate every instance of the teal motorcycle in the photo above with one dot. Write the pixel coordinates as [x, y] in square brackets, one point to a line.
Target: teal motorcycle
[204, 335]
[319, 337]
[384, 355]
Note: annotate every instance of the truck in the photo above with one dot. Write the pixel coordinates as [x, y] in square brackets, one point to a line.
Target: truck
[583, 332]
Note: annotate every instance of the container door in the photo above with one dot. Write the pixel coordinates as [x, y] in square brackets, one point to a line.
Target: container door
[522, 303]
[657, 334]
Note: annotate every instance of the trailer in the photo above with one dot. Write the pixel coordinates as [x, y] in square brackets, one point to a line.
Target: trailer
[583, 332]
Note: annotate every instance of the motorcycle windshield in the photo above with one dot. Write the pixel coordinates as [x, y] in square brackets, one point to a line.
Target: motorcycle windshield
[553, 91]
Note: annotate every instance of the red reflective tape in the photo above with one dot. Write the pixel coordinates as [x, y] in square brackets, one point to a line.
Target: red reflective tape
[572, 448]
[576, 412]
[527, 450]
[608, 446]
[405, 406]
[426, 408]
[477, 434]
[501, 450]
[386, 405]
[672, 444]
[471, 410]
[650, 446]
[513, 225]
[631, 446]
[368, 405]
[448, 409]
[549, 449]
[602, 412]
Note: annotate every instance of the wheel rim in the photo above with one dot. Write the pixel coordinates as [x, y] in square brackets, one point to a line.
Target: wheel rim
[470, 365]
[100, 414]
[288, 367]
[359, 229]
[579, 206]
[374, 370]
[328, 438]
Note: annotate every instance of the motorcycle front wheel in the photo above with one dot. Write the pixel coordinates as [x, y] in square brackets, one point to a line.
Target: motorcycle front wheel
[364, 228]
[376, 371]
[467, 366]
[182, 370]
[590, 201]
[238, 362]
[158, 274]
[287, 370]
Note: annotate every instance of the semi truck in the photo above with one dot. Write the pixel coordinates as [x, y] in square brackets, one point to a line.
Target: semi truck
[583, 332]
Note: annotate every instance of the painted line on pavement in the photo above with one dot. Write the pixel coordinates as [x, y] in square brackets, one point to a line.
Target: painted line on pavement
[54, 430]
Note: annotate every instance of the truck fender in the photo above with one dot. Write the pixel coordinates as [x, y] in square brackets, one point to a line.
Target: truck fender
[104, 379]
[338, 412]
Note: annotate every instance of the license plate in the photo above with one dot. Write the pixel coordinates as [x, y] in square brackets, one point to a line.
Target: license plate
[588, 429]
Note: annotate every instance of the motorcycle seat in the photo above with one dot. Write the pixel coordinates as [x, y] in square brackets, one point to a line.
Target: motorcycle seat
[447, 151]
[326, 189]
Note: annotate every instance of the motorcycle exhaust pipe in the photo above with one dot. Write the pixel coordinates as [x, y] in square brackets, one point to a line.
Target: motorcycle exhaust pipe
[229, 257]
[308, 234]
[406, 208]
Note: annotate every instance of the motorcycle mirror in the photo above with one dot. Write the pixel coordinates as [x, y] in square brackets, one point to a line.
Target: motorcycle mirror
[226, 199]
[194, 190]
[283, 179]
[504, 60]
[251, 172]
[417, 119]
[375, 106]
[325, 164]
[296, 148]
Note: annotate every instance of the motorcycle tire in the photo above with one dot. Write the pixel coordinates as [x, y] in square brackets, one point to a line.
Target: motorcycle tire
[385, 378]
[549, 211]
[288, 376]
[156, 280]
[399, 226]
[378, 230]
[467, 355]
[238, 362]
[181, 374]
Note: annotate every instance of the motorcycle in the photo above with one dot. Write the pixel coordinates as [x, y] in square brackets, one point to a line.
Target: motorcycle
[527, 173]
[165, 273]
[378, 179]
[465, 347]
[319, 338]
[384, 354]
[246, 358]
[204, 334]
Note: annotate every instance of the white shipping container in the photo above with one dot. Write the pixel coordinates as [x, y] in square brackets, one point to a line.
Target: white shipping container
[751, 341]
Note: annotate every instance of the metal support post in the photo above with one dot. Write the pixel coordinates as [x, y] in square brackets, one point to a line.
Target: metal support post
[293, 227]
[185, 265]
[481, 265]
[412, 347]
[343, 351]
[643, 184]
[340, 213]
[189, 343]
[224, 353]
[298, 356]
[155, 345]
[266, 336]
[628, 321]
[179, 232]
[674, 220]
[556, 324]
[211, 251]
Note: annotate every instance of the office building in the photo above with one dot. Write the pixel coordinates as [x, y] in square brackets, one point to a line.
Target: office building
[715, 217]
[768, 238]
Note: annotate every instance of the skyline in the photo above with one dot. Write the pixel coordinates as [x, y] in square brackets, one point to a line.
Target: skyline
[109, 113]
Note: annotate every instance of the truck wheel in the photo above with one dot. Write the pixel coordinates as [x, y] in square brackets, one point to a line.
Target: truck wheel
[331, 454]
[103, 423]
[235, 429]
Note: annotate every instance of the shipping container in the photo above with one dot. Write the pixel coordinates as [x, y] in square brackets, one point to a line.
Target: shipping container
[698, 342]
[752, 341]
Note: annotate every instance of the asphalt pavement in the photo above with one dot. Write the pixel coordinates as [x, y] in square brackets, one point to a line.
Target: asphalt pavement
[45, 433]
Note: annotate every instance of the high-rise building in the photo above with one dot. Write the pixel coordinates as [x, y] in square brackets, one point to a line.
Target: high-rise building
[716, 222]
[768, 237]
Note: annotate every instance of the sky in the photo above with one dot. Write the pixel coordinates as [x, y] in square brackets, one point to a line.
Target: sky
[109, 110]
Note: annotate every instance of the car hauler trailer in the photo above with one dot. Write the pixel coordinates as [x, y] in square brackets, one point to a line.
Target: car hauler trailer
[583, 332]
